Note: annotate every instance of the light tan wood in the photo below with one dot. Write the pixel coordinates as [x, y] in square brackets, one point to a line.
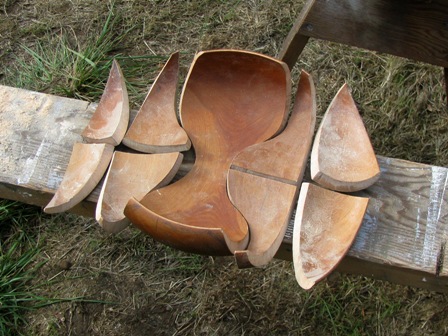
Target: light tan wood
[111, 118]
[325, 226]
[132, 175]
[231, 100]
[86, 167]
[342, 158]
[155, 129]
[263, 179]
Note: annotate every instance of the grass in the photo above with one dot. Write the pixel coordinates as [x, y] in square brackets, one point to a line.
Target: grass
[16, 272]
[60, 64]
[20, 264]
[162, 291]
[57, 65]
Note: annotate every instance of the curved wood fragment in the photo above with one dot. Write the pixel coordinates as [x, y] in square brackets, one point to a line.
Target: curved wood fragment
[342, 158]
[266, 204]
[231, 100]
[155, 129]
[86, 167]
[325, 226]
[263, 180]
[190, 238]
[110, 120]
[132, 175]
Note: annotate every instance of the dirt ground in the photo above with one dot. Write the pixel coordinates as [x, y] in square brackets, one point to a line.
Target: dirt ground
[140, 287]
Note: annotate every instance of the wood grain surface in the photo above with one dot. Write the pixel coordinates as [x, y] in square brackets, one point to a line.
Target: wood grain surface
[110, 120]
[263, 179]
[402, 239]
[132, 175]
[324, 228]
[231, 100]
[155, 129]
[414, 29]
[87, 165]
[343, 158]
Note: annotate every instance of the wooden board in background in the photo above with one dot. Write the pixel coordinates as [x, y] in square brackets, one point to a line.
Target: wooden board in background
[413, 29]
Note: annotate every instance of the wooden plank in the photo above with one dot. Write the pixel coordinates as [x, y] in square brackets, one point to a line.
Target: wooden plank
[403, 237]
[35, 127]
[414, 29]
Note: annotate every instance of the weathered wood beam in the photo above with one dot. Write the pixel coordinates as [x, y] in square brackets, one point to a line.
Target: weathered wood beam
[413, 29]
[402, 238]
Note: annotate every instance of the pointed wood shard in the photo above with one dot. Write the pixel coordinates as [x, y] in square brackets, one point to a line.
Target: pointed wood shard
[110, 120]
[231, 100]
[325, 226]
[86, 167]
[155, 129]
[263, 179]
[342, 158]
[132, 175]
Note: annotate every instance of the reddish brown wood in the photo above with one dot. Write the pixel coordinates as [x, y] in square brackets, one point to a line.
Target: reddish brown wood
[132, 175]
[282, 157]
[110, 120]
[266, 204]
[231, 100]
[155, 129]
[274, 167]
[86, 167]
[325, 226]
[343, 158]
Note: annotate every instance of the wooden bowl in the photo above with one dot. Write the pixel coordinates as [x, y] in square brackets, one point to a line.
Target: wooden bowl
[231, 100]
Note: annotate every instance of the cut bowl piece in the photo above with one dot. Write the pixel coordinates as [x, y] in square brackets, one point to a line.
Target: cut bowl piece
[231, 100]
[263, 179]
[155, 129]
[342, 157]
[325, 226]
[86, 167]
[110, 120]
[132, 175]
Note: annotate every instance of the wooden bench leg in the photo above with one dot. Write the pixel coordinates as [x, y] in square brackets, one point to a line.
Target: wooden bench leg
[295, 42]
[445, 70]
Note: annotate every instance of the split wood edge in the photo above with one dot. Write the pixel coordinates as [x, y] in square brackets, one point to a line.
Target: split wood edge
[86, 167]
[274, 167]
[132, 175]
[342, 157]
[110, 120]
[155, 129]
[325, 226]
